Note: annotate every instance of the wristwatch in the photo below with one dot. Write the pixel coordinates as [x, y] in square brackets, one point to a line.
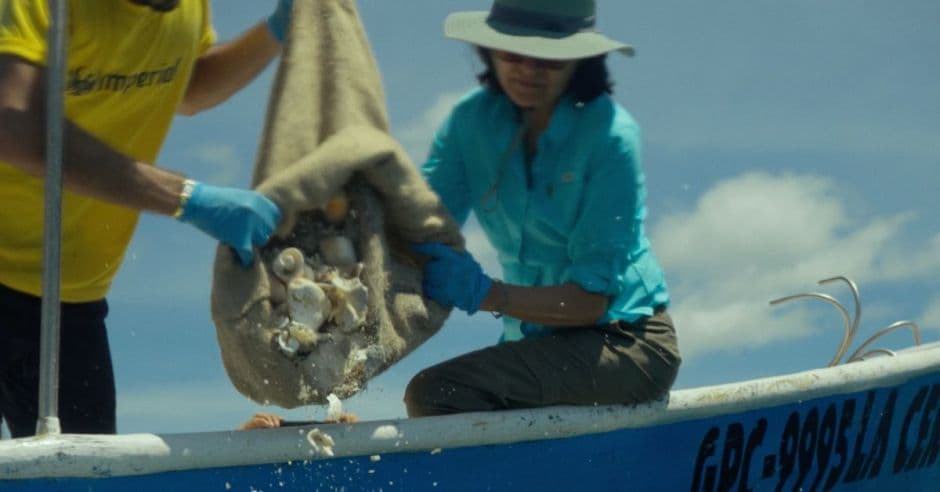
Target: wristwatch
[185, 194]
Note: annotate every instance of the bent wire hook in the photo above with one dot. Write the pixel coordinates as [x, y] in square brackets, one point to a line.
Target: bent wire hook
[851, 323]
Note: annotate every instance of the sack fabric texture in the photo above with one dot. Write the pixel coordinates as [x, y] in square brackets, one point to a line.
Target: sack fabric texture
[326, 133]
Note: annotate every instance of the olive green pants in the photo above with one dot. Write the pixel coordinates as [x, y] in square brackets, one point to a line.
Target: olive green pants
[620, 363]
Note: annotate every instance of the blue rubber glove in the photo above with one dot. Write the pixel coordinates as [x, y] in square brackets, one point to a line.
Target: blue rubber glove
[241, 219]
[279, 20]
[452, 278]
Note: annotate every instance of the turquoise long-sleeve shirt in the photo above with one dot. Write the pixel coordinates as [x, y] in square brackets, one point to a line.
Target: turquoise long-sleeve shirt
[574, 214]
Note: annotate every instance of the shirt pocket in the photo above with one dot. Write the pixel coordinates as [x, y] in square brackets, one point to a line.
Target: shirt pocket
[559, 200]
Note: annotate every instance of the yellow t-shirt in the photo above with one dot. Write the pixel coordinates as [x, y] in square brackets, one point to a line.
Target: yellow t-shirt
[128, 68]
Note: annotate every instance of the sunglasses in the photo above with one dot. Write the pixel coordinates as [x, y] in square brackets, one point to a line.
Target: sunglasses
[553, 65]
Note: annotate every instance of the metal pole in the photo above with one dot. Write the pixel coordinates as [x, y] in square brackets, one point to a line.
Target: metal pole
[48, 423]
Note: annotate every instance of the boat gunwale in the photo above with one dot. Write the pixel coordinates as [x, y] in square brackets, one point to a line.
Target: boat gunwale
[97, 456]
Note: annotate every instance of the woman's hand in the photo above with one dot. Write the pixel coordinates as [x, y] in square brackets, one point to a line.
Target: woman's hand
[453, 278]
[241, 219]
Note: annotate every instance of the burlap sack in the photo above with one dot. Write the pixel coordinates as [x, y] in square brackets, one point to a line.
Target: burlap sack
[327, 133]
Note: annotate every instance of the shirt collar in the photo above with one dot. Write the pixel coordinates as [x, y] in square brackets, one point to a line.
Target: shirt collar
[563, 120]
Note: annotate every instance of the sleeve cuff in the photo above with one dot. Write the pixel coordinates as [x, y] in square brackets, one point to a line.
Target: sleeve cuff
[33, 54]
[593, 277]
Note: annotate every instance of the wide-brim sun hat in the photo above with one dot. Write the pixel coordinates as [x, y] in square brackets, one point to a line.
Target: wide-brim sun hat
[547, 29]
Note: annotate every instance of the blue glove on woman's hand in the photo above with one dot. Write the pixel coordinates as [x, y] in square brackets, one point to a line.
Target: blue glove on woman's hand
[452, 278]
[279, 20]
[241, 219]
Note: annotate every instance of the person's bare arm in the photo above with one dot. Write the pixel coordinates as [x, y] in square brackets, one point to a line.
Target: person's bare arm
[90, 167]
[228, 67]
[561, 306]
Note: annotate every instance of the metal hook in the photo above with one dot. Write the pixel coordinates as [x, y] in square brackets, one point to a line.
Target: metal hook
[889, 353]
[856, 298]
[890, 328]
[845, 317]
[851, 324]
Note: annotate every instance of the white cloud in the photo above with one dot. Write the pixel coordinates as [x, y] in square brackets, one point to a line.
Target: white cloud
[416, 135]
[930, 320]
[921, 263]
[219, 164]
[757, 237]
[481, 249]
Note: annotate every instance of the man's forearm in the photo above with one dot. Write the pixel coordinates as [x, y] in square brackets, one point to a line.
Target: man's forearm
[90, 167]
[93, 168]
[559, 306]
[228, 67]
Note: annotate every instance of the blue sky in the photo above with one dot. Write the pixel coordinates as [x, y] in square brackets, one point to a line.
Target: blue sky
[785, 142]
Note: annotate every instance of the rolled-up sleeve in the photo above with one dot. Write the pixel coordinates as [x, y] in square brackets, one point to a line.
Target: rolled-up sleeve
[445, 171]
[608, 226]
[208, 35]
[23, 30]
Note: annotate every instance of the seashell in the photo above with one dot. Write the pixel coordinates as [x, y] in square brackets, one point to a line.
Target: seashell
[307, 303]
[335, 409]
[289, 264]
[289, 345]
[346, 318]
[325, 274]
[350, 300]
[321, 444]
[306, 337]
[338, 251]
[336, 209]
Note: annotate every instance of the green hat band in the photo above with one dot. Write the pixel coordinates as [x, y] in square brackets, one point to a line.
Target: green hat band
[515, 18]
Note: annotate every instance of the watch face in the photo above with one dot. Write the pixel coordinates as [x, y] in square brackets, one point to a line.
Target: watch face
[159, 5]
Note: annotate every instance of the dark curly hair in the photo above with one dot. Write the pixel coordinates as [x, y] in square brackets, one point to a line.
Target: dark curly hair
[590, 80]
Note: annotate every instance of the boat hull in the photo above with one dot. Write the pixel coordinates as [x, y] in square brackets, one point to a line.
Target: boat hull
[877, 430]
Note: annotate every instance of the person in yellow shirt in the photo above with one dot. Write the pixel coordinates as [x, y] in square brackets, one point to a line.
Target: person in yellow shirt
[132, 65]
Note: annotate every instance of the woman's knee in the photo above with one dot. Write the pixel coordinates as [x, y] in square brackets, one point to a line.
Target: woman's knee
[446, 389]
[419, 399]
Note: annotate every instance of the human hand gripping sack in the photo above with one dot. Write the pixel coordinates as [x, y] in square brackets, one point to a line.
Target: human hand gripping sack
[241, 219]
[453, 278]
[279, 21]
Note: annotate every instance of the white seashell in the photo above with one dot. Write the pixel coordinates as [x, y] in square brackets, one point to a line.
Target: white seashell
[289, 264]
[281, 322]
[307, 303]
[346, 318]
[338, 251]
[305, 336]
[289, 345]
[321, 443]
[324, 274]
[350, 300]
[335, 409]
